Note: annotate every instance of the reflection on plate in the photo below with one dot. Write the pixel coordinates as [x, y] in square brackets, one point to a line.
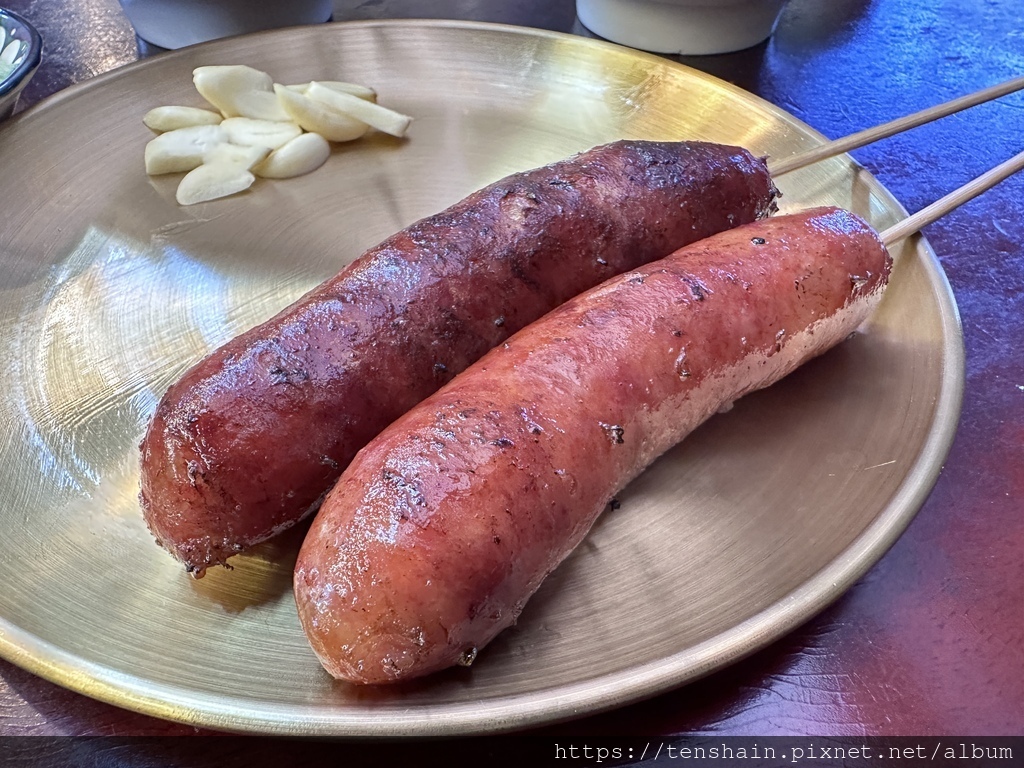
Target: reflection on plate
[111, 290]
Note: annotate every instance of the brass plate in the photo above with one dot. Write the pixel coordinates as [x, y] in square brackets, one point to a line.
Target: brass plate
[110, 290]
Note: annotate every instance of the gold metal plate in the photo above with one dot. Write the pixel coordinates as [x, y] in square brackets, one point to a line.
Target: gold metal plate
[111, 290]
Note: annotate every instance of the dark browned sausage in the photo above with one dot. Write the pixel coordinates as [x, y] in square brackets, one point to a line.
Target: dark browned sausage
[248, 441]
[444, 525]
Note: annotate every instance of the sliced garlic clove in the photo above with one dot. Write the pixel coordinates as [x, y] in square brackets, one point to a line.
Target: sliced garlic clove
[260, 133]
[301, 155]
[381, 118]
[260, 105]
[244, 157]
[239, 91]
[211, 181]
[362, 91]
[182, 149]
[317, 117]
[165, 119]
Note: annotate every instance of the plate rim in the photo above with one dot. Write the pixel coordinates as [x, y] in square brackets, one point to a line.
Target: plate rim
[515, 712]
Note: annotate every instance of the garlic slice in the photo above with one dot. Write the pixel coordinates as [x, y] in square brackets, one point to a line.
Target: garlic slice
[259, 133]
[362, 91]
[211, 181]
[182, 149]
[165, 119]
[239, 91]
[236, 154]
[301, 155]
[383, 119]
[317, 117]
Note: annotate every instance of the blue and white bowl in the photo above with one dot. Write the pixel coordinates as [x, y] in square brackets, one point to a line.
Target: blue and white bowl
[21, 49]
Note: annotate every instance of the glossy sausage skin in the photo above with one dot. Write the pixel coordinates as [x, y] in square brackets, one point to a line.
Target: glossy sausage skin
[445, 524]
[249, 440]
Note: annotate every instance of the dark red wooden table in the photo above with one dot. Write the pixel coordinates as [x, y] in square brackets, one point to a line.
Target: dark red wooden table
[931, 640]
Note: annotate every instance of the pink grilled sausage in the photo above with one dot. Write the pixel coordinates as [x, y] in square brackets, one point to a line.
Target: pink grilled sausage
[443, 526]
[249, 440]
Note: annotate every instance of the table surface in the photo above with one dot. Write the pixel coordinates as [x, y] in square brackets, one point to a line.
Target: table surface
[931, 640]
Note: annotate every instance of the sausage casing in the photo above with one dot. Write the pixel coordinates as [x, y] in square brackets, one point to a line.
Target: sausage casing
[246, 443]
[445, 524]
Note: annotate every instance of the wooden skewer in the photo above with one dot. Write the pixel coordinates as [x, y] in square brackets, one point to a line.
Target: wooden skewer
[861, 138]
[941, 207]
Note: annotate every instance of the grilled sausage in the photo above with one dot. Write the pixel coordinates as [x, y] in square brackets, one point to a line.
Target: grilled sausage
[249, 440]
[445, 524]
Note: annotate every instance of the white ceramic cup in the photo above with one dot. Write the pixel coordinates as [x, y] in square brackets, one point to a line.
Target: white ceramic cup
[687, 27]
[177, 23]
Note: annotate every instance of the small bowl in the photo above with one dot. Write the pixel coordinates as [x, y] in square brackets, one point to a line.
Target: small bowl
[21, 50]
[686, 27]
[178, 23]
